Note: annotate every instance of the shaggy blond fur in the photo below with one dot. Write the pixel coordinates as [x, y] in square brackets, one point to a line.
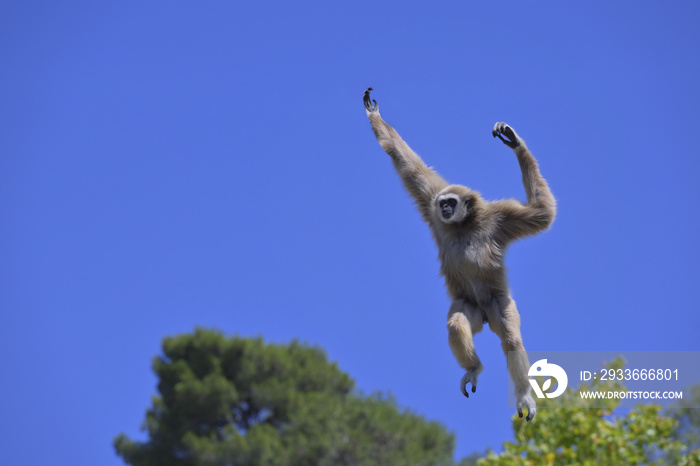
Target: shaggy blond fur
[472, 235]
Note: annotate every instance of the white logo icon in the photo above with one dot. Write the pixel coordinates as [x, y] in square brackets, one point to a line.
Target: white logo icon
[543, 369]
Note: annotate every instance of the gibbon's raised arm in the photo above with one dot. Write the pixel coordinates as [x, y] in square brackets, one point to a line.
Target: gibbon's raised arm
[537, 215]
[421, 181]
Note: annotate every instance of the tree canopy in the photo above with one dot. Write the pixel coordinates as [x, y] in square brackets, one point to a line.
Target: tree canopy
[571, 430]
[240, 401]
[687, 414]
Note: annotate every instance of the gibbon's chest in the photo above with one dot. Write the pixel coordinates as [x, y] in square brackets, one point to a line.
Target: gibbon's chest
[469, 255]
[471, 266]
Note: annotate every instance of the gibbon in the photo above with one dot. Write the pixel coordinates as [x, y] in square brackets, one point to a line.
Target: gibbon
[471, 236]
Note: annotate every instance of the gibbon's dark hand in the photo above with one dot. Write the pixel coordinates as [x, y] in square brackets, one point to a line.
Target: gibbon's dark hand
[502, 129]
[368, 102]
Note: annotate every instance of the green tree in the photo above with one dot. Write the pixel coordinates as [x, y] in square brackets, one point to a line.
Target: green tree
[688, 416]
[239, 401]
[569, 430]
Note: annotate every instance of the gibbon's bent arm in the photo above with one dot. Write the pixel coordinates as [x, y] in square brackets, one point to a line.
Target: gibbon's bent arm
[537, 215]
[422, 182]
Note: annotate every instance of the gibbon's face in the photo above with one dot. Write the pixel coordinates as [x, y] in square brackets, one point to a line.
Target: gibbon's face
[451, 208]
[447, 207]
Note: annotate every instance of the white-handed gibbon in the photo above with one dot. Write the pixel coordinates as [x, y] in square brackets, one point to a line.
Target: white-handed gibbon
[472, 235]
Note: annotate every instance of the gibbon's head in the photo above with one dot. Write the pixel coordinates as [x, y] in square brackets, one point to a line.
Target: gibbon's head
[455, 204]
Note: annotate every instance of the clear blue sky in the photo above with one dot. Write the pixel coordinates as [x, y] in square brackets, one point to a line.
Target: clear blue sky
[167, 165]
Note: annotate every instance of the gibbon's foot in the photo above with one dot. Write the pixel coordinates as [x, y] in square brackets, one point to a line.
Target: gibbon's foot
[502, 129]
[368, 102]
[471, 376]
[526, 400]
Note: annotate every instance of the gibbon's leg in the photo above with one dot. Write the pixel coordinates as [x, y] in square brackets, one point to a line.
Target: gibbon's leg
[463, 322]
[504, 320]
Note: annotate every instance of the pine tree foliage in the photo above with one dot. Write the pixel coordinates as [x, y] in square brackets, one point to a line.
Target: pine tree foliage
[240, 401]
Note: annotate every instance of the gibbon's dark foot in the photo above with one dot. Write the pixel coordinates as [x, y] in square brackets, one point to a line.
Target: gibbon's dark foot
[525, 400]
[502, 129]
[472, 377]
[368, 102]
